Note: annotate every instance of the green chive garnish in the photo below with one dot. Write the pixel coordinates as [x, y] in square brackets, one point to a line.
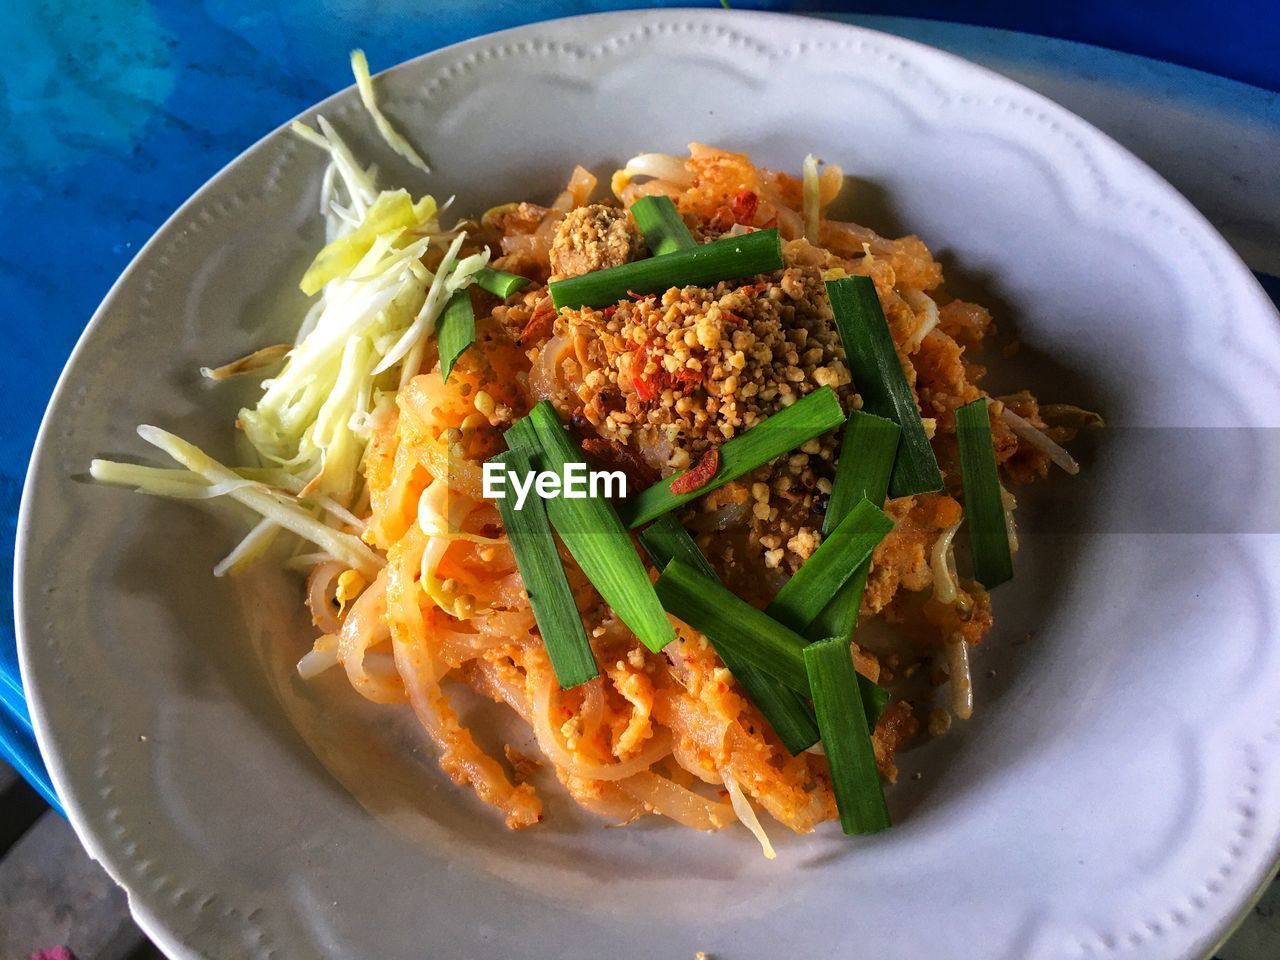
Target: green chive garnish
[840, 617]
[732, 624]
[665, 538]
[787, 712]
[846, 740]
[550, 596]
[699, 266]
[594, 535]
[873, 361]
[663, 228]
[499, 282]
[874, 699]
[456, 331]
[983, 508]
[770, 438]
[867, 452]
[848, 546]
[866, 460]
[843, 612]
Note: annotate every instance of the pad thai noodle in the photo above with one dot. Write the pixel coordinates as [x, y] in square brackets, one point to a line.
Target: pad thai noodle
[792, 403]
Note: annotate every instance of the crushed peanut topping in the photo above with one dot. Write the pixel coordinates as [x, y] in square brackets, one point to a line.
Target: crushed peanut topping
[676, 375]
[699, 366]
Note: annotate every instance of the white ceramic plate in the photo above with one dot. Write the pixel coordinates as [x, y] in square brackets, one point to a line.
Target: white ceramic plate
[1118, 791]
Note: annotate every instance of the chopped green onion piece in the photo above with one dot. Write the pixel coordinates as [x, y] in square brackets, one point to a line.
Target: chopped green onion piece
[867, 452]
[811, 588]
[590, 528]
[770, 438]
[866, 460]
[456, 331]
[499, 282]
[983, 507]
[874, 699]
[841, 617]
[665, 538]
[732, 624]
[663, 228]
[787, 711]
[522, 434]
[873, 361]
[550, 596]
[700, 266]
[846, 739]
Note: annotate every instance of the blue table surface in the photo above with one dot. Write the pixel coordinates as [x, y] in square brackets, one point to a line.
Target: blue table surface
[112, 112]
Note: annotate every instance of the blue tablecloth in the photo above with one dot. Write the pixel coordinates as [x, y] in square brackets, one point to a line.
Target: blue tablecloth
[114, 111]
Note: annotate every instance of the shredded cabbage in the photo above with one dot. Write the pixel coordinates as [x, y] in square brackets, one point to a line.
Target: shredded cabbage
[394, 139]
[378, 305]
[452, 275]
[253, 546]
[181, 484]
[271, 504]
[303, 562]
[304, 419]
[359, 182]
[391, 211]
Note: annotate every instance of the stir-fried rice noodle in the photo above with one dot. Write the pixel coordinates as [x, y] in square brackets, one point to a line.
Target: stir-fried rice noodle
[665, 796]
[322, 586]
[547, 710]
[366, 628]
[549, 377]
